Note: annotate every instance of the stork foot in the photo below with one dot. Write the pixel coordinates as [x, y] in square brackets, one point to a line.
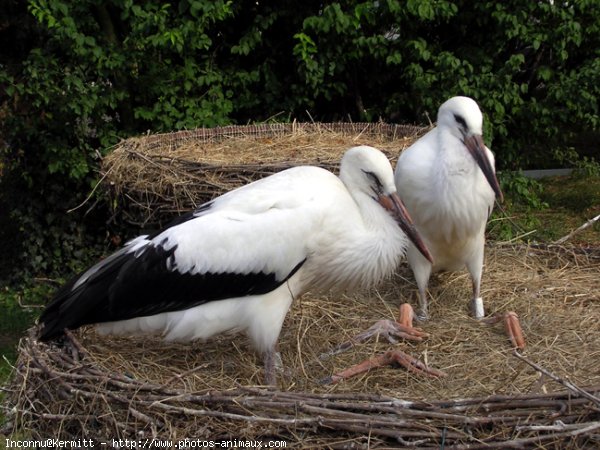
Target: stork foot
[391, 357]
[477, 309]
[389, 329]
[423, 311]
[422, 315]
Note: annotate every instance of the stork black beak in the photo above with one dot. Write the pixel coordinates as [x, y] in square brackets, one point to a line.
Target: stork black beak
[476, 147]
[397, 209]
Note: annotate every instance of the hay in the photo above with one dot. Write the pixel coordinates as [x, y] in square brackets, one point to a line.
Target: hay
[151, 178]
[109, 388]
[99, 387]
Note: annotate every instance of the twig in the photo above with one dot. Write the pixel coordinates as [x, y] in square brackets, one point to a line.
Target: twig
[517, 238]
[431, 125]
[589, 223]
[91, 193]
[52, 281]
[25, 306]
[560, 426]
[179, 376]
[57, 391]
[556, 378]
[507, 217]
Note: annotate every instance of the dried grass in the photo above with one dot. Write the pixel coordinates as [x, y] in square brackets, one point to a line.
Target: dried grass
[150, 178]
[116, 387]
[107, 387]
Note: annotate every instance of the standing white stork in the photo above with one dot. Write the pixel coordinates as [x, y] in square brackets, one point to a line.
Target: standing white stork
[448, 183]
[238, 261]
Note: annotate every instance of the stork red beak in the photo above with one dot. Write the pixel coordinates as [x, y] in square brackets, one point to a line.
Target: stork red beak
[397, 209]
[476, 147]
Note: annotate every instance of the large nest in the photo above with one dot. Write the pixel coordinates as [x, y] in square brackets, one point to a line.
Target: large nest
[103, 388]
[151, 178]
[544, 397]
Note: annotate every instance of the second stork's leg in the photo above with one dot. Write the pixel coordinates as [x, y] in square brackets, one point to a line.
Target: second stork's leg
[475, 268]
[422, 271]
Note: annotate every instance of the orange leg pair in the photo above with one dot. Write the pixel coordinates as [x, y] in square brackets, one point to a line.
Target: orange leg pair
[403, 328]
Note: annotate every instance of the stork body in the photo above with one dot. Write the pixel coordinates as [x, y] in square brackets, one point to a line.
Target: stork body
[447, 181]
[237, 262]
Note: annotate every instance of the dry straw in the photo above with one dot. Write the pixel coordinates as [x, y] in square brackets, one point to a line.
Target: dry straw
[102, 387]
[150, 178]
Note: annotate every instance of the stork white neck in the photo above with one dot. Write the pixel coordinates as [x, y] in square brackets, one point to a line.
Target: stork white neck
[375, 233]
[453, 156]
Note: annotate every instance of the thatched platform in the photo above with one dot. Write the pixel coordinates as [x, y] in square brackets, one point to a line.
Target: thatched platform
[545, 397]
[151, 178]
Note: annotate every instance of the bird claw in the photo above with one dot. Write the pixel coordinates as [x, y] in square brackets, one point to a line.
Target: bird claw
[406, 315]
[390, 357]
[422, 316]
[392, 331]
[512, 327]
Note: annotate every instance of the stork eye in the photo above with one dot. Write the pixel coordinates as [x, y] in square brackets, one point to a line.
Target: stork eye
[374, 180]
[461, 121]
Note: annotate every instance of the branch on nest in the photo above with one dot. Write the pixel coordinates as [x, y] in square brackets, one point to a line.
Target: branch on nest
[588, 224]
[556, 378]
[62, 388]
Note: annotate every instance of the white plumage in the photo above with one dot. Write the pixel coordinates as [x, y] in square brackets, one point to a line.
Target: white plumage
[447, 181]
[238, 262]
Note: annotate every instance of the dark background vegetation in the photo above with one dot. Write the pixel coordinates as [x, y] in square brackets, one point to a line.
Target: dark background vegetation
[75, 77]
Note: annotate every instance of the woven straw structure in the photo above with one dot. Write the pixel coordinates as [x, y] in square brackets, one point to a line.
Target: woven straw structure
[151, 178]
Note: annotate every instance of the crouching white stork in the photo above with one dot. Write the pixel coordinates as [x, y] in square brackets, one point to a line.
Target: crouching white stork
[448, 183]
[238, 261]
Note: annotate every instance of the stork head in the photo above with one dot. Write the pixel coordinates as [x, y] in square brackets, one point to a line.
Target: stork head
[462, 117]
[368, 171]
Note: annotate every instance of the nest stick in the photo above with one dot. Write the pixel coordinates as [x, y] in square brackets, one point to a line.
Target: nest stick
[588, 224]
[556, 378]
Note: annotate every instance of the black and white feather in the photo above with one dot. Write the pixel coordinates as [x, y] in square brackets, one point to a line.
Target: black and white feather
[237, 262]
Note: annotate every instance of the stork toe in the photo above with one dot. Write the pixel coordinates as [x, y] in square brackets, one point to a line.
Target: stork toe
[389, 358]
[391, 330]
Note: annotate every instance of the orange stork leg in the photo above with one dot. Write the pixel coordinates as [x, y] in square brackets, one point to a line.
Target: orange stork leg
[512, 327]
[391, 357]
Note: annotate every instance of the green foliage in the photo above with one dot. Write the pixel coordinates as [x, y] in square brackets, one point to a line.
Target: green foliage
[522, 195]
[533, 67]
[577, 194]
[90, 73]
[20, 307]
[522, 190]
[99, 71]
[567, 203]
[587, 167]
[77, 76]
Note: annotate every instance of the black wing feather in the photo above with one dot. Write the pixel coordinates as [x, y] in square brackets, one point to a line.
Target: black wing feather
[142, 284]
